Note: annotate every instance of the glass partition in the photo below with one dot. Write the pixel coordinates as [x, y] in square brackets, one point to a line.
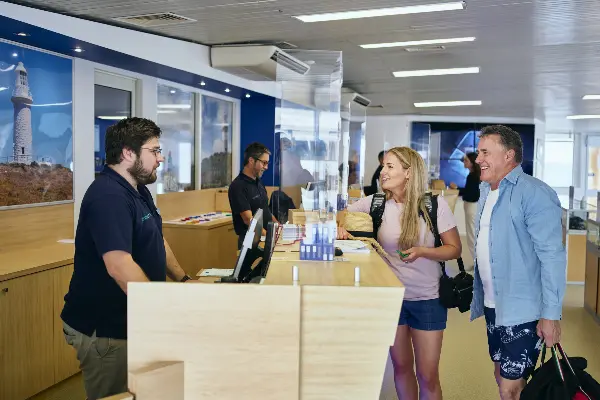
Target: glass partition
[352, 148]
[216, 148]
[176, 118]
[308, 134]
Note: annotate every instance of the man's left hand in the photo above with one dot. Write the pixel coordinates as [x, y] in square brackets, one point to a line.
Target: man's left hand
[549, 331]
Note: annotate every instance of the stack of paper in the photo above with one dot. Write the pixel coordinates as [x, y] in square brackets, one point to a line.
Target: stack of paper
[352, 246]
[216, 272]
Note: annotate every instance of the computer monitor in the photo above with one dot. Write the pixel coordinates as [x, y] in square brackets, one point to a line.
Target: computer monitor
[249, 251]
[260, 271]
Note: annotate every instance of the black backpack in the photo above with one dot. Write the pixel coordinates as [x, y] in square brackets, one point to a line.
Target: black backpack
[455, 292]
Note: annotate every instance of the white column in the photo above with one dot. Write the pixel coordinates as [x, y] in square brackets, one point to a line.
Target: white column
[146, 102]
[83, 131]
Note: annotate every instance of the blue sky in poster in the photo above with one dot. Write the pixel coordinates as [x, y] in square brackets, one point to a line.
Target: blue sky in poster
[51, 85]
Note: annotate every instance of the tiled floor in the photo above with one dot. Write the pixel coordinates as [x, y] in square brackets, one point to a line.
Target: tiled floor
[466, 371]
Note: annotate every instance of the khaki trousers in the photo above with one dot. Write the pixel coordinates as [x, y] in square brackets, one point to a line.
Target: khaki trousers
[103, 362]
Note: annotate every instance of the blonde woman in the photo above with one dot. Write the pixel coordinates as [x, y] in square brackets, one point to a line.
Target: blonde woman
[422, 318]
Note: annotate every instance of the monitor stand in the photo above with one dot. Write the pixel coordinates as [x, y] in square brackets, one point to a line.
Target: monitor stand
[251, 257]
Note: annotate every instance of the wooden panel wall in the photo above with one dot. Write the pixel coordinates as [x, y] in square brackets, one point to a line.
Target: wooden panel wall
[183, 204]
[32, 226]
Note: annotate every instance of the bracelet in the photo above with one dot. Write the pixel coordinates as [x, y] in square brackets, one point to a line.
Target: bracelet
[186, 278]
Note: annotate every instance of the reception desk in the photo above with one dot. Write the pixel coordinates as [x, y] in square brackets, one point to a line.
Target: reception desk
[574, 219]
[592, 269]
[322, 336]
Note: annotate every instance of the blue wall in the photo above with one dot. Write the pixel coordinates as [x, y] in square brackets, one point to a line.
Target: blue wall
[257, 124]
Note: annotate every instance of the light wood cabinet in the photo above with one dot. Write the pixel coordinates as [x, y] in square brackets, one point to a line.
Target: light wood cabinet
[26, 333]
[65, 357]
[591, 279]
[33, 353]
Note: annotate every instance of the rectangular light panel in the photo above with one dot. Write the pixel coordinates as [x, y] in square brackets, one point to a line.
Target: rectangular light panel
[436, 72]
[417, 43]
[382, 12]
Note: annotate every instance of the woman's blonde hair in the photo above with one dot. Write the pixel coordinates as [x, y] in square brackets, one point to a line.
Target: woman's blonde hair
[414, 193]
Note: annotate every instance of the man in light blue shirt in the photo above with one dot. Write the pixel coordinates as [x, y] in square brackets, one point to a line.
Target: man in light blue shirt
[520, 268]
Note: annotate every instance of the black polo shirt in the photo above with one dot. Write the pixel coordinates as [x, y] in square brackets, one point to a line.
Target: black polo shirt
[113, 216]
[246, 194]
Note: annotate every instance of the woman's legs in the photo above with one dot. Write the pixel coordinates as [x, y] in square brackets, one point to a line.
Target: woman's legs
[470, 215]
[403, 362]
[428, 348]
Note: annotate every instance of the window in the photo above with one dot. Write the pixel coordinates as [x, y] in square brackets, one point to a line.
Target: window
[558, 161]
[176, 119]
[217, 120]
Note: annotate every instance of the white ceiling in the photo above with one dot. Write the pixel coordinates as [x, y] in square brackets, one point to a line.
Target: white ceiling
[537, 57]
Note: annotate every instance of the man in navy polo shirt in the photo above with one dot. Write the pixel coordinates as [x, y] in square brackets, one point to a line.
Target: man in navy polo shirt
[119, 240]
[247, 193]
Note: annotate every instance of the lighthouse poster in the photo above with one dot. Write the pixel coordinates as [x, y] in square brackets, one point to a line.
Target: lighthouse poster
[36, 120]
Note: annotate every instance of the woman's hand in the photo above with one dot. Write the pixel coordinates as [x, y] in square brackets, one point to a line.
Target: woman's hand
[412, 254]
[453, 185]
[342, 234]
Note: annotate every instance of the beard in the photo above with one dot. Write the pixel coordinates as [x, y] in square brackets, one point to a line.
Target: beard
[141, 176]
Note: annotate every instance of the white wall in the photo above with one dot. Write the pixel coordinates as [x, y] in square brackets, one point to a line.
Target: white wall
[178, 54]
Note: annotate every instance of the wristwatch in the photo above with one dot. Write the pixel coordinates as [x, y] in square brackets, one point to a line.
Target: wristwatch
[186, 278]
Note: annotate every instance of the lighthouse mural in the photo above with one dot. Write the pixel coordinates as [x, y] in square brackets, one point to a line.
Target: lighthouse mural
[22, 100]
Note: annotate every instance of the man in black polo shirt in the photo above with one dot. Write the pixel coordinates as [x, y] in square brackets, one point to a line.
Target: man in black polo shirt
[119, 240]
[247, 193]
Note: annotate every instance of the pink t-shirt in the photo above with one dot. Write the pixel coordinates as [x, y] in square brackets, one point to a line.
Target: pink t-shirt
[421, 277]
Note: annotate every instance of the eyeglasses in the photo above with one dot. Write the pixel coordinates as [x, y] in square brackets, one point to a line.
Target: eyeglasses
[263, 162]
[155, 151]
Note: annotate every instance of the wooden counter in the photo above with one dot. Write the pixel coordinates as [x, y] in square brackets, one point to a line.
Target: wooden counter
[321, 337]
[33, 353]
[21, 262]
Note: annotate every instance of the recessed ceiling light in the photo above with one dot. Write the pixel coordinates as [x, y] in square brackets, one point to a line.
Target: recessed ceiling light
[436, 72]
[173, 91]
[78, 50]
[417, 43]
[247, 95]
[175, 106]
[591, 97]
[382, 12]
[448, 104]
[112, 118]
[227, 90]
[15, 54]
[22, 34]
[202, 83]
[3, 89]
[583, 117]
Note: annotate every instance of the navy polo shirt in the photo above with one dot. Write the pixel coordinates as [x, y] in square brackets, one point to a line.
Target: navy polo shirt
[113, 216]
[246, 194]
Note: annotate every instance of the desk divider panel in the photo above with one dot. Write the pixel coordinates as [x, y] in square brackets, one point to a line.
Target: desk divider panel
[265, 342]
[183, 204]
[346, 335]
[236, 341]
[30, 227]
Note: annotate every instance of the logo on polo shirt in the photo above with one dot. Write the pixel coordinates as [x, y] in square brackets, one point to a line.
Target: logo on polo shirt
[146, 217]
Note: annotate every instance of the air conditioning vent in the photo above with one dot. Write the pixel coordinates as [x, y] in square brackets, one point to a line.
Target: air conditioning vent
[363, 101]
[152, 20]
[290, 63]
[255, 62]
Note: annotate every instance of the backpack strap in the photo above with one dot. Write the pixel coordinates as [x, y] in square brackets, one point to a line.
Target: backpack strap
[431, 204]
[376, 212]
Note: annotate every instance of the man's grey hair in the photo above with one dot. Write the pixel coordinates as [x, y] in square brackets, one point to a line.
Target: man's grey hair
[509, 139]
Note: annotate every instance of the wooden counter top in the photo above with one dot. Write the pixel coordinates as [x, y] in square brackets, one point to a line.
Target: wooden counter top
[205, 225]
[374, 271]
[25, 261]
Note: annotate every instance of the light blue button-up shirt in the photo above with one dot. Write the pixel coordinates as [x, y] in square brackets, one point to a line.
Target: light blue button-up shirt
[527, 254]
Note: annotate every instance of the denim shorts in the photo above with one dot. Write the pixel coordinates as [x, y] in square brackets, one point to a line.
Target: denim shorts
[516, 348]
[424, 315]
